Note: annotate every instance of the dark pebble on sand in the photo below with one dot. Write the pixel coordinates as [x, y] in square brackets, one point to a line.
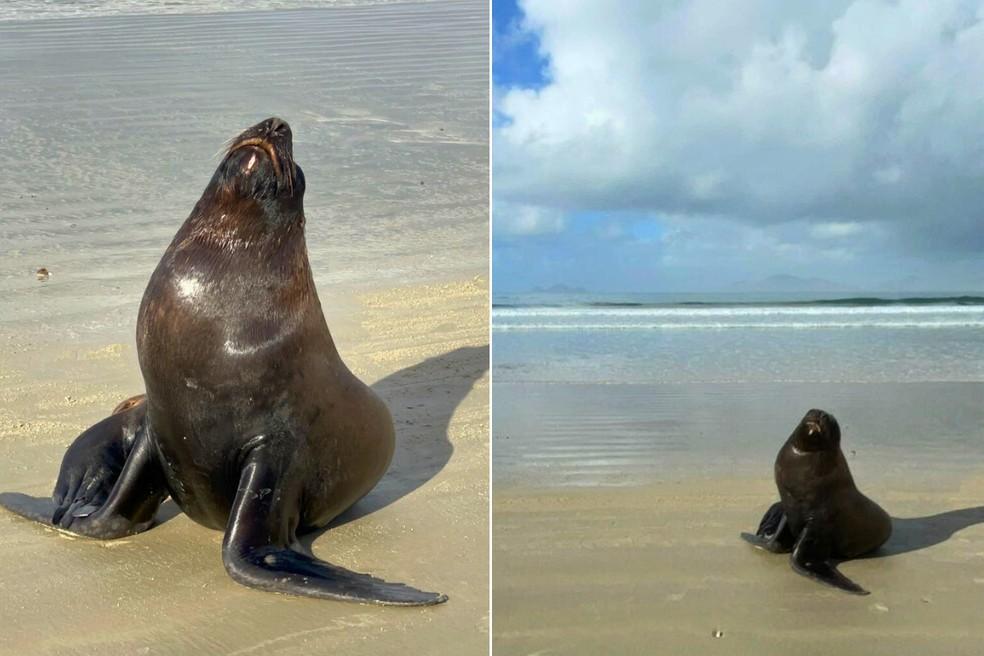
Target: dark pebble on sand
[42, 274]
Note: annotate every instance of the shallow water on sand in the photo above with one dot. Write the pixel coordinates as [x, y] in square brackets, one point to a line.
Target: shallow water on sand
[112, 127]
[589, 391]
[583, 435]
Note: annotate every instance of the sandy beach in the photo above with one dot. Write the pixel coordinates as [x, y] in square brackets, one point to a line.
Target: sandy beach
[165, 591]
[659, 569]
[607, 544]
[113, 133]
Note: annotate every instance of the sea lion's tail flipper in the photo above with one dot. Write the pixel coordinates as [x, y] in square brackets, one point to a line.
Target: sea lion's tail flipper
[256, 549]
[773, 533]
[811, 558]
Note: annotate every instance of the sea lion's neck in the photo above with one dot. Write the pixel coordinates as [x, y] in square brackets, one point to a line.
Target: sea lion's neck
[233, 224]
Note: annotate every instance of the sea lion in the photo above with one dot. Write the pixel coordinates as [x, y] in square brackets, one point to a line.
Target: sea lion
[821, 517]
[251, 422]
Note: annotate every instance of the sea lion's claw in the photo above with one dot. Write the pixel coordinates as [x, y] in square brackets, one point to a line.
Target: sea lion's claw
[88, 491]
[86, 510]
[756, 541]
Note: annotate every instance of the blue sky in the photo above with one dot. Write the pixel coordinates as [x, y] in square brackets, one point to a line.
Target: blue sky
[702, 146]
[515, 49]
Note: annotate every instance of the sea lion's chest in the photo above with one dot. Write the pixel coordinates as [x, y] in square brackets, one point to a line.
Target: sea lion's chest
[229, 320]
[812, 485]
[223, 343]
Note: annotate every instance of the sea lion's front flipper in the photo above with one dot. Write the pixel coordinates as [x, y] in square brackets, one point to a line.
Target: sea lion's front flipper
[811, 558]
[129, 507]
[256, 550]
[773, 533]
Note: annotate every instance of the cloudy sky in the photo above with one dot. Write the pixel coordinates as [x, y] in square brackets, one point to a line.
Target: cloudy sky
[704, 145]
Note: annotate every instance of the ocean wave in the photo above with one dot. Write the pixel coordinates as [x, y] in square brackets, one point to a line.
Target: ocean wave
[966, 300]
[734, 311]
[853, 301]
[718, 325]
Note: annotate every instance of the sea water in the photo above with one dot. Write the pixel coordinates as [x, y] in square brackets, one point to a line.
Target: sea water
[605, 389]
[637, 339]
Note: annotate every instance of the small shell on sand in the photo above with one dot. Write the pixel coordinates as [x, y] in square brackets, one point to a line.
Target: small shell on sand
[43, 274]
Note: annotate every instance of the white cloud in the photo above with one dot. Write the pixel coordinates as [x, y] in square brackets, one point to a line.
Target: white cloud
[519, 220]
[840, 113]
[835, 230]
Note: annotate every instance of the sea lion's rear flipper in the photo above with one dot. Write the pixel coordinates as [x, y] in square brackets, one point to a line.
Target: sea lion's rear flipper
[773, 533]
[128, 508]
[93, 463]
[256, 550]
[811, 558]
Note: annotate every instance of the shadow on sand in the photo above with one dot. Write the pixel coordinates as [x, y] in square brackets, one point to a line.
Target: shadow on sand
[422, 399]
[915, 533]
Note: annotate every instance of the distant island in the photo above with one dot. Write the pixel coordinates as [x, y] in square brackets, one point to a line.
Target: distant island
[559, 288]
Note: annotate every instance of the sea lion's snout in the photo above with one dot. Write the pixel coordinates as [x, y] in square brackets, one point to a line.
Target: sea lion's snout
[815, 415]
[817, 424]
[269, 142]
[272, 130]
[815, 421]
[275, 125]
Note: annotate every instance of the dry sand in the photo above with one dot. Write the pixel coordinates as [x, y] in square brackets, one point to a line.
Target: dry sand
[660, 569]
[424, 348]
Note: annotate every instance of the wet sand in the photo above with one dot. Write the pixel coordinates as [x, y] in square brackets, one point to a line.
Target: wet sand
[660, 569]
[586, 562]
[113, 125]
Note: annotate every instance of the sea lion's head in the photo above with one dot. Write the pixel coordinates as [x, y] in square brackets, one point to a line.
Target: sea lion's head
[818, 431]
[258, 167]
